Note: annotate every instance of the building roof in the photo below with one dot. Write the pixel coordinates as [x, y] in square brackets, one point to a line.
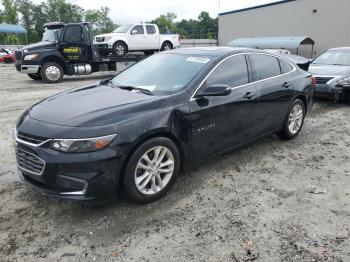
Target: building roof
[256, 7]
[8, 28]
[272, 42]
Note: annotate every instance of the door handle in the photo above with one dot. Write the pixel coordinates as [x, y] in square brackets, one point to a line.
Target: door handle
[286, 84]
[249, 95]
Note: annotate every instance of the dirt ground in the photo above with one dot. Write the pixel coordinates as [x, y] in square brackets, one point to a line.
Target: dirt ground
[254, 204]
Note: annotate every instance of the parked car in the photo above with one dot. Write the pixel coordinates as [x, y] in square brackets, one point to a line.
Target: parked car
[169, 111]
[136, 37]
[300, 61]
[331, 69]
[7, 56]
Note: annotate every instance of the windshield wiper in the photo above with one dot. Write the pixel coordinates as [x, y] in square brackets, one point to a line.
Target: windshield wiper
[142, 90]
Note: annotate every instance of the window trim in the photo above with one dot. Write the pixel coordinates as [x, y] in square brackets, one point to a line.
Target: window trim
[193, 98]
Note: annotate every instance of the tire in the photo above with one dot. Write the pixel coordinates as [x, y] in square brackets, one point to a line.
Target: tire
[51, 72]
[35, 76]
[119, 49]
[166, 46]
[141, 179]
[8, 61]
[296, 114]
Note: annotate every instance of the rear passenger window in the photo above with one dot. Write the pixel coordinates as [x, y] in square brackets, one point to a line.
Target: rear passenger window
[150, 29]
[232, 72]
[265, 66]
[285, 66]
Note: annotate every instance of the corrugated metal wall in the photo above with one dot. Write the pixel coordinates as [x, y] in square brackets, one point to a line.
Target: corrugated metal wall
[329, 26]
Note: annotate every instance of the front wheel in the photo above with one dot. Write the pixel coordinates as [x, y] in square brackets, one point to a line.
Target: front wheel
[151, 170]
[51, 72]
[35, 76]
[294, 120]
[119, 49]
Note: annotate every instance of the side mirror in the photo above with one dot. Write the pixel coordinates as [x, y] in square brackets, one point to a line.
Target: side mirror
[133, 32]
[215, 90]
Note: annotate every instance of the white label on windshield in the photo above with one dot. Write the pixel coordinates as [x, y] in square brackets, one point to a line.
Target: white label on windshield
[198, 59]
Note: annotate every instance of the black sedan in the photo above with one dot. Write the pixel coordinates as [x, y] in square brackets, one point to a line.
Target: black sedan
[174, 109]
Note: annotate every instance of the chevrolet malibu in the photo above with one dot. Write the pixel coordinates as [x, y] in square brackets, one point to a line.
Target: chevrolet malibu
[175, 109]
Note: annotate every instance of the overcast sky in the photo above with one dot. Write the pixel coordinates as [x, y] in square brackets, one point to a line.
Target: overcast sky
[131, 11]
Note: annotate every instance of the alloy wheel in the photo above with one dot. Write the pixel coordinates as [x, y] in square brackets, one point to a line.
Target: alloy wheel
[295, 119]
[154, 170]
[120, 49]
[53, 73]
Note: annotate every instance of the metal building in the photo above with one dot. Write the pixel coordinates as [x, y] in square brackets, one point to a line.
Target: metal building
[327, 22]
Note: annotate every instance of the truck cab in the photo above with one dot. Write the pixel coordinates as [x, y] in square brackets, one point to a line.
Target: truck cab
[65, 49]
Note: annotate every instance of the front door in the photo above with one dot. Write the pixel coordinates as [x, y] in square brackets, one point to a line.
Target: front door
[137, 38]
[221, 122]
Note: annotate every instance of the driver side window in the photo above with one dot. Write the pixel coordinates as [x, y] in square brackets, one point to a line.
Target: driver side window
[137, 30]
[231, 72]
[73, 34]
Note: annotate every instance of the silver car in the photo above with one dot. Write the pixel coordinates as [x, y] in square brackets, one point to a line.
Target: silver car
[331, 69]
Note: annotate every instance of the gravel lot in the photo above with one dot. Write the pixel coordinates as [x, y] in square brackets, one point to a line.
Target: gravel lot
[254, 204]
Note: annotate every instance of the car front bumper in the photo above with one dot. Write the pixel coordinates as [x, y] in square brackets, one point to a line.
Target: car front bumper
[327, 88]
[27, 69]
[82, 176]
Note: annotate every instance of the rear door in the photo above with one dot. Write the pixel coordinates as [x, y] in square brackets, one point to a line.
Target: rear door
[152, 37]
[275, 90]
[221, 122]
[137, 40]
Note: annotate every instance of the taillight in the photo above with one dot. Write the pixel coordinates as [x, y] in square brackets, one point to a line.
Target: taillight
[313, 80]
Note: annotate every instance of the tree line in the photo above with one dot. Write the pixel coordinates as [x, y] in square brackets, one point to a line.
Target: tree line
[32, 16]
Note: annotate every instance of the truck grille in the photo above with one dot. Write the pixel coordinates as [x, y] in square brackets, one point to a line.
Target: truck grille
[36, 140]
[322, 80]
[100, 39]
[18, 55]
[29, 162]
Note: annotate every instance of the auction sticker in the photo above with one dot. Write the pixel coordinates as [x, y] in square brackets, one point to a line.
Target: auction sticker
[198, 59]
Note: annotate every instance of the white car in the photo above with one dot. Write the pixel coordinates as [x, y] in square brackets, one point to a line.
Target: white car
[136, 37]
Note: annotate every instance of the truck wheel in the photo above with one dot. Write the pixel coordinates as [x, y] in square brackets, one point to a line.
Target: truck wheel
[119, 49]
[35, 76]
[166, 46]
[51, 72]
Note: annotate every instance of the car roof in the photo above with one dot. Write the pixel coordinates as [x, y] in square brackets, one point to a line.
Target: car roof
[213, 51]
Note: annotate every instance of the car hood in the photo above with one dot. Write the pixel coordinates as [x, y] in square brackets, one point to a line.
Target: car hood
[39, 46]
[94, 105]
[331, 70]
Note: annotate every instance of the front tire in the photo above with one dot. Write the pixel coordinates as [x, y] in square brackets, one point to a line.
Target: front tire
[51, 72]
[294, 120]
[36, 77]
[151, 170]
[119, 49]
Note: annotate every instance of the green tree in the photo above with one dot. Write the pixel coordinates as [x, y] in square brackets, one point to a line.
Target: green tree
[9, 14]
[101, 23]
[166, 23]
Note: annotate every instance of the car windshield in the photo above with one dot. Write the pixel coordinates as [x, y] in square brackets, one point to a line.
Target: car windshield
[335, 57]
[162, 73]
[122, 29]
[49, 35]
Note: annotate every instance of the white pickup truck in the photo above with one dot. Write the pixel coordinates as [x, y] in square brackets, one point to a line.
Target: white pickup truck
[137, 37]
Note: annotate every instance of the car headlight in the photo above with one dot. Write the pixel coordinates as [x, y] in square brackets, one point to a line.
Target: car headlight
[107, 38]
[31, 57]
[345, 80]
[82, 145]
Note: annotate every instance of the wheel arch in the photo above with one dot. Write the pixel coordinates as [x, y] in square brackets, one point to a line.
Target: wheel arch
[167, 41]
[122, 41]
[156, 133]
[55, 59]
[304, 100]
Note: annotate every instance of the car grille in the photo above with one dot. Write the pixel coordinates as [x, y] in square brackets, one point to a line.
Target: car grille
[322, 80]
[29, 162]
[18, 55]
[36, 140]
[100, 39]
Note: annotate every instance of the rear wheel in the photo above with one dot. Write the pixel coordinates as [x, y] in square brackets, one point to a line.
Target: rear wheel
[51, 72]
[166, 46]
[294, 120]
[35, 76]
[119, 49]
[151, 170]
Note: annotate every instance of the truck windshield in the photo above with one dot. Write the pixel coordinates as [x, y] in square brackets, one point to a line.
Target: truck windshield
[49, 35]
[122, 29]
[334, 57]
[162, 74]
